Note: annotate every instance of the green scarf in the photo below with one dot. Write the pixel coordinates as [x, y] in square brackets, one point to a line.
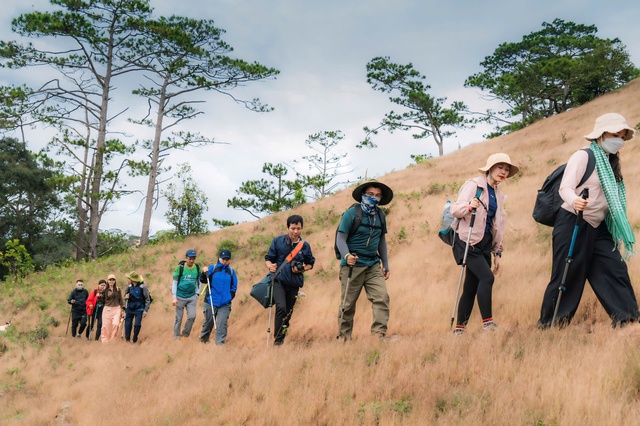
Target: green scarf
[616, 196]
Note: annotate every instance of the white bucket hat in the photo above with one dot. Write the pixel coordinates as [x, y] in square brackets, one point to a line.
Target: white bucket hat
[499, 158]
[612, 123]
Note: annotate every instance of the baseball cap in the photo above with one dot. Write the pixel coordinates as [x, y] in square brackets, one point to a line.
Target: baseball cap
[225, 254]
[191, 253]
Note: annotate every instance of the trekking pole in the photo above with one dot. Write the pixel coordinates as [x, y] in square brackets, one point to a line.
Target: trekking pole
[68, 322]
[346, 290]
[464, 259]
[270, 309]
[215, 326]
[93, 322]
[584, 194]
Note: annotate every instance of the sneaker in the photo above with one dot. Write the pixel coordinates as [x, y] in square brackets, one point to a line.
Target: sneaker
[78, 336]
[459, 330]
[278, 342]
[490, 327]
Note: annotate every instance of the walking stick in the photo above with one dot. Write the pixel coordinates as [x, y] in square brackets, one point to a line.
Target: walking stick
[464, 259]
[584, 194]
[270, 308]
[93, 320]
[215, 326]
[68, 322]
[346, 290]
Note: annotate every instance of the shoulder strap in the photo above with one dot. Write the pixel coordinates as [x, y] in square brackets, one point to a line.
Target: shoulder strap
[181, 271]
[591, 165]
[357, 220]
[295, 251]
[289, 257]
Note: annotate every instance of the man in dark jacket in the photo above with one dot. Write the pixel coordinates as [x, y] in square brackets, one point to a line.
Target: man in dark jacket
[220, 291]
[290, 277]
[78, 301]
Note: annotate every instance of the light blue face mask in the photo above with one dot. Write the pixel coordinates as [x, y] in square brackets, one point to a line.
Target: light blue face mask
[612, 145]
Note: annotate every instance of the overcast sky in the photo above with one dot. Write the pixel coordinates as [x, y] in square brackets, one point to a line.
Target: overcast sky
[321, 49]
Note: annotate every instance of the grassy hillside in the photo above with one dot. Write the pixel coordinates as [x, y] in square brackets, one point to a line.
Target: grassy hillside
[586, 374]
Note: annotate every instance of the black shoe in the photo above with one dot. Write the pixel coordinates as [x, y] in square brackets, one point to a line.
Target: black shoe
[278, 342]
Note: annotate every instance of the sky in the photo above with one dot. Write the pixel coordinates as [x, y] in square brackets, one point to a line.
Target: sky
[321, 49]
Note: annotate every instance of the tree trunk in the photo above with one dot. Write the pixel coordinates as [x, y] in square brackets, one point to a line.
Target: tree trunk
[153, 169]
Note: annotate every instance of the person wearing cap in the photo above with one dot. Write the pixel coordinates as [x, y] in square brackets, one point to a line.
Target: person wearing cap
[290, 278]
[601, 236]
[220, 291]
[112, 311]
[365, 261]
[185, 288]
[137, 305]
[78, 301]
[95, 304]
[485, 239]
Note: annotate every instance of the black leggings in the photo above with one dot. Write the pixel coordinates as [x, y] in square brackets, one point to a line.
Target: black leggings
[478, 278]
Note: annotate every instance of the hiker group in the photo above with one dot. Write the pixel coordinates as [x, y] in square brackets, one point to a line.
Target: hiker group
[107, 310]
[584, 201]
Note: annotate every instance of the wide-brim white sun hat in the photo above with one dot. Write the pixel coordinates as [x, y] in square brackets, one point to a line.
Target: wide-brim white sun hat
[610, 123]
[500, 157]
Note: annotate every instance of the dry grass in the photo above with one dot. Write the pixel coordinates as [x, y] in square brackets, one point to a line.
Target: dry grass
[587, 374]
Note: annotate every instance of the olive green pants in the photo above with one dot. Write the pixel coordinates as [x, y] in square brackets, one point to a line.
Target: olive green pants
[372, 280]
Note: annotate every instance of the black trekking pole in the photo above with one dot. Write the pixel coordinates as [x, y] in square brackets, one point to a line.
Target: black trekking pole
[584, 194]
[270, 308]
[93, 321]
[346, 290]
[464, 259]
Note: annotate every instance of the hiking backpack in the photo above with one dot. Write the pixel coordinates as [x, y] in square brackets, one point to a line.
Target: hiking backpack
[548, 200]
[446, 232]
[136, 296]
[357, 220]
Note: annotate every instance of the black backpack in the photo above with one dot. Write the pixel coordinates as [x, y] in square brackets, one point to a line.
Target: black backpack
[356, 224]
[548, 200]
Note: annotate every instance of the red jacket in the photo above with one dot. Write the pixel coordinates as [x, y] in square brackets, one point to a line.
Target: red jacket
[92, 301]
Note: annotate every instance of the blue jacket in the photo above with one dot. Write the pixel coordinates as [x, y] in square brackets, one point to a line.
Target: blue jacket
[278, 251]
[224, 284]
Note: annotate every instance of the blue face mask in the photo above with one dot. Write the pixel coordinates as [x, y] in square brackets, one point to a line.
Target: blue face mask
[612, 145]
[369, 203]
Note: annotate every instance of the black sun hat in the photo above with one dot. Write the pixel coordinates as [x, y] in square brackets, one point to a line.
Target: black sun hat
[387, 193]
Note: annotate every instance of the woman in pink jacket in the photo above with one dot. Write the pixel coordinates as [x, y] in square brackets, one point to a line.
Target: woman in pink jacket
[485, 238]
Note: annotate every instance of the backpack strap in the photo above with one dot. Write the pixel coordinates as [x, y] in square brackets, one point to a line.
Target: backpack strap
[357, 220]
[591, 165]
